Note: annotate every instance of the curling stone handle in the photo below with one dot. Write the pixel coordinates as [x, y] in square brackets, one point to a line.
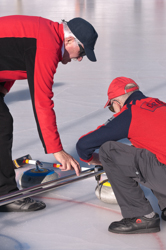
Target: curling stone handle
[38, 164]
[98, 168]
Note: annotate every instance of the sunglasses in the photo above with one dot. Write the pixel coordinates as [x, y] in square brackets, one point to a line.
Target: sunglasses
[82, 51]
[111, 108]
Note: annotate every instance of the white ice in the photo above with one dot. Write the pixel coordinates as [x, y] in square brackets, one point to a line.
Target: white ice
[132, 43]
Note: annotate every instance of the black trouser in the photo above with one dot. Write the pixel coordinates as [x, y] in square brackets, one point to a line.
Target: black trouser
[126, 166]
[7, 173]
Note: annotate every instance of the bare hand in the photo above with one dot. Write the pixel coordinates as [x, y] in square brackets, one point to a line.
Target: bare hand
[95, 160]
[67, 161]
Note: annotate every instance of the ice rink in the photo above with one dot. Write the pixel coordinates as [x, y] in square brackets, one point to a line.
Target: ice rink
[131, 43]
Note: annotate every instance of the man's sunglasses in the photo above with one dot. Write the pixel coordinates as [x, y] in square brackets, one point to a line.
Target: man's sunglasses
[111, 106]
[82, 51]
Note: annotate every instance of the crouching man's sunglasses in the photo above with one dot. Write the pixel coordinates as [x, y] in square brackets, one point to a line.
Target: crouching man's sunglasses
[111, 107]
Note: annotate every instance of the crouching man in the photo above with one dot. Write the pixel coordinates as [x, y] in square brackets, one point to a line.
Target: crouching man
[142, 120]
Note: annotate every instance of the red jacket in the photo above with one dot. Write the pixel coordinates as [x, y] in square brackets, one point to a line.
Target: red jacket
[142, 120]
[30, 48]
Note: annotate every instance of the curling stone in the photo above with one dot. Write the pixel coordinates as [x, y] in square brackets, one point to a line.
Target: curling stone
[37, 176]
[105, 193]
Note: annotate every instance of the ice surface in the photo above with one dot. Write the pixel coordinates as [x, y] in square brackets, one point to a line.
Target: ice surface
[132, 43]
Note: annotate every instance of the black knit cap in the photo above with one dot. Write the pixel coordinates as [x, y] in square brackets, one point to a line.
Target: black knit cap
[86, 34]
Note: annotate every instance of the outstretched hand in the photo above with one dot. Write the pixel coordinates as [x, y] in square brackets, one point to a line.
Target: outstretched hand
[67, 162]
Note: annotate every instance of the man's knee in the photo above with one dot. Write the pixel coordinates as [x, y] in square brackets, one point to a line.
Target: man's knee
[113, 151]
[103, 151]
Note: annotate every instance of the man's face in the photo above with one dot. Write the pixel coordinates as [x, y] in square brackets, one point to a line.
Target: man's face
[72, 50]
[115, 106]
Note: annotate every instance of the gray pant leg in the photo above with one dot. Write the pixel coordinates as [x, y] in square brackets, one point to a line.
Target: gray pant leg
[120, 163]
[156, 179]
[161, 199]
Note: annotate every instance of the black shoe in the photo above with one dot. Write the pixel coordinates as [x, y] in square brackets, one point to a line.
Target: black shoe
[136, 225]
[23, 205]
[163, 214]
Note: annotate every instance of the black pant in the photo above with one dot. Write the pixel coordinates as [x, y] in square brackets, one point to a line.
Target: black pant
[126, 166]
[7, 173]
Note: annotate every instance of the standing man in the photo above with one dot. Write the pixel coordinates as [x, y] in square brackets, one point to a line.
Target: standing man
[31, 48]
[142, 120]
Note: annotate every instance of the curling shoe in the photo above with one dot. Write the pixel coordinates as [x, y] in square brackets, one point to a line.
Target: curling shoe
[163, 214]
[23, 205]
[137, 225]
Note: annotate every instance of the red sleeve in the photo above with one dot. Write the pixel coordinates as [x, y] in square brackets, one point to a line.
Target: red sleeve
[45, 68]
[40, 73]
